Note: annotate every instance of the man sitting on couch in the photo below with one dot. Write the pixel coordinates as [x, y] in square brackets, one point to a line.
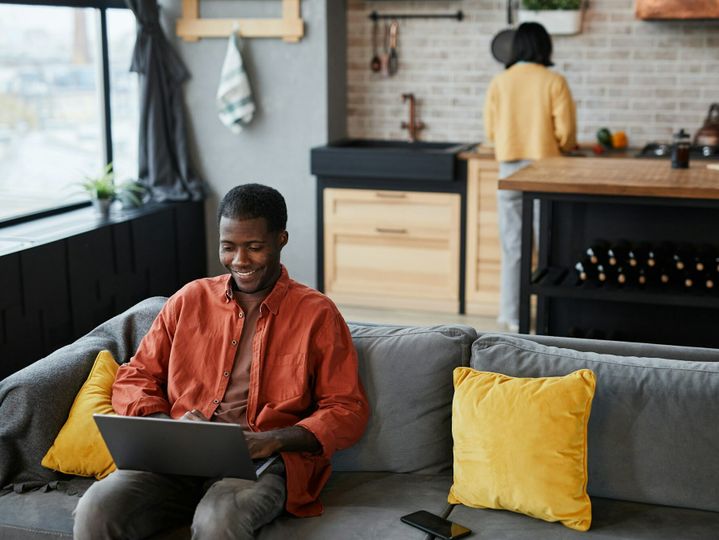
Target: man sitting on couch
[255, 348]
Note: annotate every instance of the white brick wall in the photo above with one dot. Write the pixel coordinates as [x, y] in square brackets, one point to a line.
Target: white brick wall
[647, 78]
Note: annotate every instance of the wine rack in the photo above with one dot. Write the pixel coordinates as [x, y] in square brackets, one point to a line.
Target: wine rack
[655, 312]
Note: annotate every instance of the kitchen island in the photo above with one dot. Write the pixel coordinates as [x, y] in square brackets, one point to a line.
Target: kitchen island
[629, 199]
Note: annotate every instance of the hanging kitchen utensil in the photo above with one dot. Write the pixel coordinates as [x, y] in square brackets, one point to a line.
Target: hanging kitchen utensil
[393, 63]
[502, 42]
[375, 64]
[708, 135]
[384, 57]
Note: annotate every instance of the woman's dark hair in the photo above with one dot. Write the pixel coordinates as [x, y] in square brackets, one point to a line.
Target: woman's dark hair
[251, 201]
[531, 43]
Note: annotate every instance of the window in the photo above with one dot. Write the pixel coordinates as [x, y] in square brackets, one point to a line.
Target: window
[59, 119]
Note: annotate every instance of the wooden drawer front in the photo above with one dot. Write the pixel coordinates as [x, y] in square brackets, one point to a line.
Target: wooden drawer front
[392, 249]
[427, 214]
[394, 265]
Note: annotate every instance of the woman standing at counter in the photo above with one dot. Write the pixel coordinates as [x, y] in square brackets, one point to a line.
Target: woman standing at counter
[529, 114]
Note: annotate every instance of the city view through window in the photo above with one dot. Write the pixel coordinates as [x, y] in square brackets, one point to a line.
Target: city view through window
[51, 103]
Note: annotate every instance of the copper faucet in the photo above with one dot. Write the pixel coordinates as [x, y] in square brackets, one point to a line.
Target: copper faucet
[413, 127]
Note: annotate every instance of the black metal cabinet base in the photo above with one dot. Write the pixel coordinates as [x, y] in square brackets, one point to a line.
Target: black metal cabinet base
[569, 223]
[81, 271]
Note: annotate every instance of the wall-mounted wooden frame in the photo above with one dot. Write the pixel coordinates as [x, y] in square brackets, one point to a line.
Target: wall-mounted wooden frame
[192, 27]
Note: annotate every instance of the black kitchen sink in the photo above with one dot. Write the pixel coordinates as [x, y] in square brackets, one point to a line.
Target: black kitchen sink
[369, 158]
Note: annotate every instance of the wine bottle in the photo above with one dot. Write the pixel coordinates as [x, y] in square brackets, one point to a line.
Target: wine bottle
[626, 275]
[639, 254]
[660, 255]
[711, 281]
[691, 281]
[682, 255]
[617, 253]
[704, 256]
[669, 276]
[597, 251]
[647, 276]
[605, 274]
[586, 271]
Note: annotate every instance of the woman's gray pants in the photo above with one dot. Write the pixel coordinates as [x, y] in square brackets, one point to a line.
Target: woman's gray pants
[509, 212]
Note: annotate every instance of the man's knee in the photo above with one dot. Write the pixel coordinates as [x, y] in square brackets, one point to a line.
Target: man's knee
[235, 509]
[94, 516]
[221, 520]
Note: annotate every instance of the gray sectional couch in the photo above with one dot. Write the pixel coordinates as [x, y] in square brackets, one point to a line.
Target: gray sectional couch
[653, 437]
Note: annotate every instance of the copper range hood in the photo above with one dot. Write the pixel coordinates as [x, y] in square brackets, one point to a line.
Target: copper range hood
[677, 9]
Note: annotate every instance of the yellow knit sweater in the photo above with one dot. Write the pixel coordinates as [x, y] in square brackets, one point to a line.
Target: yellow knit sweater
[529, 113]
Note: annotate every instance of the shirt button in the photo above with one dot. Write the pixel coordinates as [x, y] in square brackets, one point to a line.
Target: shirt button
[234, 343]
[215, 401]
[226, 373]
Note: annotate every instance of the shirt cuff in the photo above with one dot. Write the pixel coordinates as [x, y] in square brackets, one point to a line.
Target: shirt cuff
[323, 435]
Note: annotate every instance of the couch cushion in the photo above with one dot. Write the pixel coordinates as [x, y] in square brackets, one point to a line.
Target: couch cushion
[611, 520]
[652, 431]
[407, 374]
[367, 505]
[40, 514]
[47, 514]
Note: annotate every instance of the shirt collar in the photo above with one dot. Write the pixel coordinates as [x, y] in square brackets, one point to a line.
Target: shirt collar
[274, 299]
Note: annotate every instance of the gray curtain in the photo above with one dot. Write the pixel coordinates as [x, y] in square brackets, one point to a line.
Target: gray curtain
[164, 157]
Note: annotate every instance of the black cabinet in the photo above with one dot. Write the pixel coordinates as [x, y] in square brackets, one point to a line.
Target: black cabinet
[569, 223]
[77, 271]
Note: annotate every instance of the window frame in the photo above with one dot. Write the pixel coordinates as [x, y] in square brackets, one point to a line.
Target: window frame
[105, 112]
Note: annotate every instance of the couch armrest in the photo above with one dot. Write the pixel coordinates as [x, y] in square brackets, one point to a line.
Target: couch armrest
[35, 401]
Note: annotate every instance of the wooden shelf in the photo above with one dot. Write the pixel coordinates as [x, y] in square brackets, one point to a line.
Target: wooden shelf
[191, 27]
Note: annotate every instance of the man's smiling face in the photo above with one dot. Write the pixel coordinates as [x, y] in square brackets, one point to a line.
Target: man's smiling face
[250, 252]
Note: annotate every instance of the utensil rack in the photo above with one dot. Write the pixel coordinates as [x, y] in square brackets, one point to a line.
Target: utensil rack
[191, 27]
[459, 16]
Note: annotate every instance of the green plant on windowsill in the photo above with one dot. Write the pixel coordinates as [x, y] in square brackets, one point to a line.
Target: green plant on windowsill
[548, 5]
[103, 191]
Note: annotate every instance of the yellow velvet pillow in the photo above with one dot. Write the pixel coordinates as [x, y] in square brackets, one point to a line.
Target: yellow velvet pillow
[79, 448]
[520, 444]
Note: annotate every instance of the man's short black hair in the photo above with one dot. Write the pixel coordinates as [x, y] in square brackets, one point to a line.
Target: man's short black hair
[531, 43]
[251, 201]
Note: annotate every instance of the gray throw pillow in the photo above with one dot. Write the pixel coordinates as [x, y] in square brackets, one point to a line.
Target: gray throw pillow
[653, 433]
[407, 374]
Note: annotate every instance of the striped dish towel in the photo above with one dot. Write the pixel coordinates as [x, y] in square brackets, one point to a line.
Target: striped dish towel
[235, 105]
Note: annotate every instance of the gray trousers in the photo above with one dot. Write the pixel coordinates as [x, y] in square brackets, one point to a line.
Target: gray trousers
[509, 212]
[135, 504]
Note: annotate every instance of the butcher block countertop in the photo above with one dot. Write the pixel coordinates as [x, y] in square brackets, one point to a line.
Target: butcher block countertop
[625, 177]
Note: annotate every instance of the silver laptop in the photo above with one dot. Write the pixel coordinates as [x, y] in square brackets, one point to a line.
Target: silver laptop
[190, 448]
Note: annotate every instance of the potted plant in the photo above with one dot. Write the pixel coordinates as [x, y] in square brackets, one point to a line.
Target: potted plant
[563, 17]
[103, 191]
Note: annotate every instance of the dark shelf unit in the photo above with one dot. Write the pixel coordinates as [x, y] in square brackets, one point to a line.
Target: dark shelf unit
[543, 284]
[569, 223]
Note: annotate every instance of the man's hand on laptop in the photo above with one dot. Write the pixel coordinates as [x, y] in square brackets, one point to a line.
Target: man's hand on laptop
[263, 444]
[194, 416]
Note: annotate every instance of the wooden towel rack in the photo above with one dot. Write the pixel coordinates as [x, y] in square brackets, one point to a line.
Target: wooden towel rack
[290, 27]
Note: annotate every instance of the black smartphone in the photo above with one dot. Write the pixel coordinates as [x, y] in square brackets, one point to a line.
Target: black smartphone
[433, 524]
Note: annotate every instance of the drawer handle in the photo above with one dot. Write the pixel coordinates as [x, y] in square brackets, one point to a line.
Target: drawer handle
[386, 195]
[390, 231]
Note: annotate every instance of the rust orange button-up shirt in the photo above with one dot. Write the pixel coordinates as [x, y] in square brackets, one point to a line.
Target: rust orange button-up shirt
[303, 371]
